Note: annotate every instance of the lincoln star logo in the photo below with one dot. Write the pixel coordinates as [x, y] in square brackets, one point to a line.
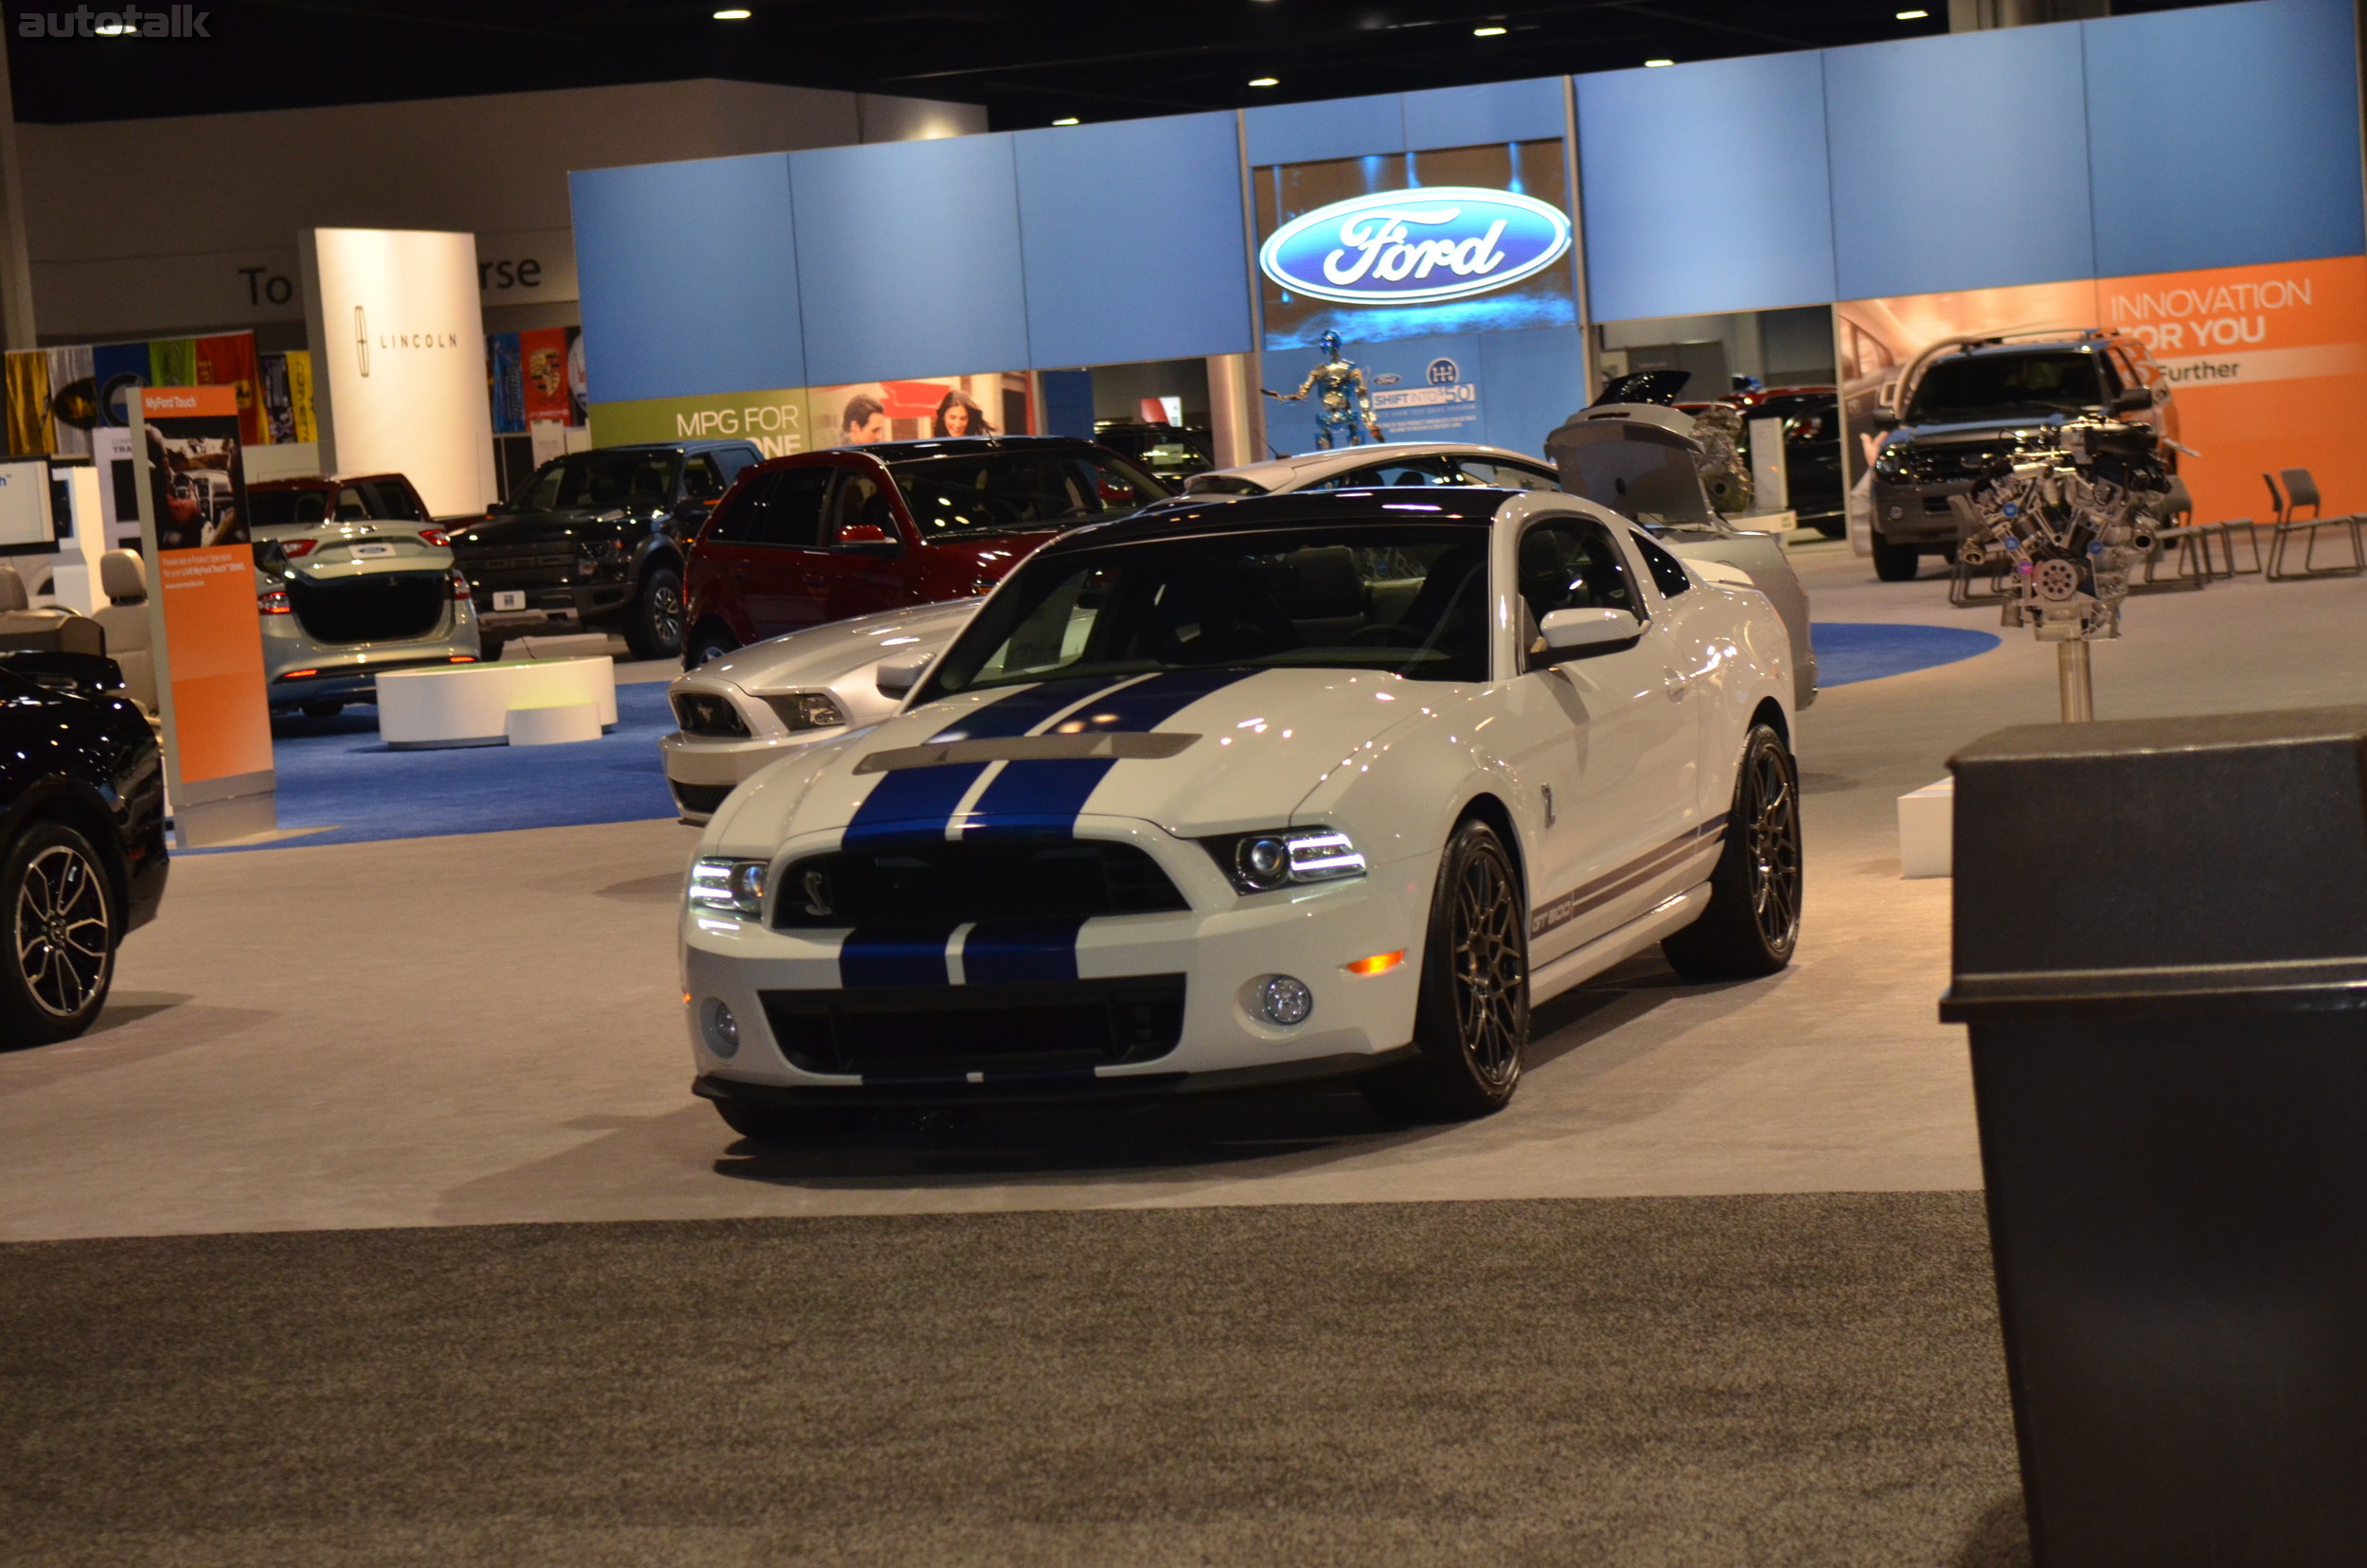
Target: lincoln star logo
[1409, 247]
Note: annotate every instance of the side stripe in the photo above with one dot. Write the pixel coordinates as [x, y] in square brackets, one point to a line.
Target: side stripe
[1031, 798]
[874, 957]
[1014, 953]
[1589, 896]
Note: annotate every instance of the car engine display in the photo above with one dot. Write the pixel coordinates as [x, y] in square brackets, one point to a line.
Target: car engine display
[2070, 522]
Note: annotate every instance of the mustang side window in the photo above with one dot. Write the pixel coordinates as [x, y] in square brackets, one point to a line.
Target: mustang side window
[1570, 565]
[1668, 573]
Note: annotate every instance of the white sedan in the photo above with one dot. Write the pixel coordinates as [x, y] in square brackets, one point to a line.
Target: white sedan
[1237, 795]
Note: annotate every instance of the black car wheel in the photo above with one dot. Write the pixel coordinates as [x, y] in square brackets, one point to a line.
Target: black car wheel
[1896, 562]
[708, 643]
[1751, 926]
[1472, 1021]
[655, 629]
[57, 946]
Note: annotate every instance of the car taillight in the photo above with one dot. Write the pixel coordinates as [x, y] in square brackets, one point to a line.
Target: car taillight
[437, 537]
[273, 602]
[295, 548]
[460, 589]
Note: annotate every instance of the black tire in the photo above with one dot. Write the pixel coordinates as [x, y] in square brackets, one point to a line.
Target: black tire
[1471, 1022]
[58, 931]
[790, 1124]
[1751, 926]
[710, 642]
[323, 711]
[1896, 562]
[655, 629]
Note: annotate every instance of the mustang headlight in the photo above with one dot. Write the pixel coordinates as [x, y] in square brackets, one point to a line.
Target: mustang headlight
[734, 887]
[1277, 857]
[804, 710]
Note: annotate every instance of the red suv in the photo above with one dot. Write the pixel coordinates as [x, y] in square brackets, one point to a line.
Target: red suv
[824, 536]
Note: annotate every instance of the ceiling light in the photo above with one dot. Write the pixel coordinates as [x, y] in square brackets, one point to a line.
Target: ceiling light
[1071, 120]
[736, 13]
[1488, 32]
[1266, 82]
[1913, 16]
[1651, 63]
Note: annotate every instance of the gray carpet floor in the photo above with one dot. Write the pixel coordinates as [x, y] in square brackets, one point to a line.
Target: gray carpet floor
[1812, 1379]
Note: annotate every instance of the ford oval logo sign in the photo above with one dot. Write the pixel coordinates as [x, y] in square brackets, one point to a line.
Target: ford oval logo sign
[1406, 247]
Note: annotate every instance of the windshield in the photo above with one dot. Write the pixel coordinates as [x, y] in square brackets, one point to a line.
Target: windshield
[996, 493]
[286, 509]
[1978, 386]
[595, 481]
[1408, 600]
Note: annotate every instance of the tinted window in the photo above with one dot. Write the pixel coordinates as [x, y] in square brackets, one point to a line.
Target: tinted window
[1483, 471]
[700, 479]
[597, 480]
[352, 506]
[1410, 600]
[1668, 573]
[858, 498]
[1976, 386]
[734, 459]
[392, 501]
[777, 508]
[1018, 491]
[1572, 565]
[285, 508]
[1396, 470]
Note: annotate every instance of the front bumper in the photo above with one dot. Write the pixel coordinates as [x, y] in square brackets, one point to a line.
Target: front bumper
[576, 605]
[1224, 949]
[1918, 514]
[700, 770]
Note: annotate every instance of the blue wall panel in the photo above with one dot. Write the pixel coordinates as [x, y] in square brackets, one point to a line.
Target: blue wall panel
[908, 259]
[1132, 239]
[1498, 111]
[2223, 135]
[1334, 128]
[1961, 162]
[1706, 187]
[688, 274]
[1529, 384]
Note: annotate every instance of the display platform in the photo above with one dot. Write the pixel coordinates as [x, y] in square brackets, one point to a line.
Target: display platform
[1850, 651]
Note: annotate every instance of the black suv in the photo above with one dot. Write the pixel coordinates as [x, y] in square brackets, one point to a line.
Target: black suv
[595, 542]
[82, 858]
[1978, 402]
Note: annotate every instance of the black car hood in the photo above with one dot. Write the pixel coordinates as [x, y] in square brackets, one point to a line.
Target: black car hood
[552, 527]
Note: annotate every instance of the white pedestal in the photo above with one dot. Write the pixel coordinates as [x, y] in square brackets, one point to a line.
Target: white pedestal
[469, 705]
[555, 725]
[1927, 830]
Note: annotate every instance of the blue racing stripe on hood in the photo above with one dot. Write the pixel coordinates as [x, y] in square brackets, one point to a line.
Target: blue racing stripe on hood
[1044, 797]
[917, 802]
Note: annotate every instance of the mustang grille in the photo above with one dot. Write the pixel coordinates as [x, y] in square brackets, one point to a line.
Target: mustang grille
[704, 713]
[383, 607]
[1041, 1027]
[975, 880]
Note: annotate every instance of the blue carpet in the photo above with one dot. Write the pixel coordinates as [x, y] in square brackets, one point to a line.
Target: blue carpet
[1850, 651]
[335, 774]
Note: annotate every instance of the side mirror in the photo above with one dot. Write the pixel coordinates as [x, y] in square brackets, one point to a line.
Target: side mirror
[866, 539]
[1580, 631]
[896, 676]
[1883, 420]
[2135, 401]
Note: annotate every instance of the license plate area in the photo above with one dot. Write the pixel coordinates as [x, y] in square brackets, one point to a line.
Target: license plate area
[509, 599]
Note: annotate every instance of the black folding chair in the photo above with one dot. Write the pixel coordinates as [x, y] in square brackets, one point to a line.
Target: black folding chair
[2302, 490]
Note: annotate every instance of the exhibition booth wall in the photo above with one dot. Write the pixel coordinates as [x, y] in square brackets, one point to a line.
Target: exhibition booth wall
[2126, 149]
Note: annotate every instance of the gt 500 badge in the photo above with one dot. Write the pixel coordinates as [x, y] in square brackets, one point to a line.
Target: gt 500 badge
[1404, 247]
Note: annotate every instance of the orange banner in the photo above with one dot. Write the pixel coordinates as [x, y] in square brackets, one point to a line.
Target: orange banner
[216, 656]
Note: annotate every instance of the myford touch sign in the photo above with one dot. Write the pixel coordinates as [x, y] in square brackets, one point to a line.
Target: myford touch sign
[1411, 247]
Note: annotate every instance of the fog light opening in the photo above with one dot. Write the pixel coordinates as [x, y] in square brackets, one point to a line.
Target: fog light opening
[1380, 963]
[1285, 1000]
[722, 1030]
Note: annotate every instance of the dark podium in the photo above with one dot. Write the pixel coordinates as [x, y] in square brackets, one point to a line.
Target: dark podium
[2161, 946]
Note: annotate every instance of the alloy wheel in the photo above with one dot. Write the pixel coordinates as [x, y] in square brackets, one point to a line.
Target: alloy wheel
[666, 613]
[1491, 976]
[1771, 825]
[62, 931]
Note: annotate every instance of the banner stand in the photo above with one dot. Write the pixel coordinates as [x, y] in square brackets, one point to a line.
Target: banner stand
[190, 492]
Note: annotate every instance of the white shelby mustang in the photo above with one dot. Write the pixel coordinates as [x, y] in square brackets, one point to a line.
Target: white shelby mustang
[1285, 787]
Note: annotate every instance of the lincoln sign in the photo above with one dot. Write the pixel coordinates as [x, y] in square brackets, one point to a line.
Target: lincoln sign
[1408, 247]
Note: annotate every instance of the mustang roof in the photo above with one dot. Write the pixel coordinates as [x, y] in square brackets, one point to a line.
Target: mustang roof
[1414, 504]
